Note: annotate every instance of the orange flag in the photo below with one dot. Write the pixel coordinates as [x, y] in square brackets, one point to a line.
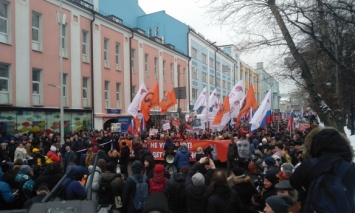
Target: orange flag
[136, 125]
[225, 108]
[150, 100]
[248, 102]
[168, 101]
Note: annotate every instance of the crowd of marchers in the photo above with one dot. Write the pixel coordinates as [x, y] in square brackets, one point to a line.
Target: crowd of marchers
[268, 170]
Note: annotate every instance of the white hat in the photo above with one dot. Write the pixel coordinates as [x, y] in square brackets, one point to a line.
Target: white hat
[264, 140]
[53, 148]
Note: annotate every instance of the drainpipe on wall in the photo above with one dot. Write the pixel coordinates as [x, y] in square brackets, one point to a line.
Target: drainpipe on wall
[130, 63]
[92, 68]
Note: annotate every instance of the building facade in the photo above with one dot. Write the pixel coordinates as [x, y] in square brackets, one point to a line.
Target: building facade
[268, 82]
[104, 63]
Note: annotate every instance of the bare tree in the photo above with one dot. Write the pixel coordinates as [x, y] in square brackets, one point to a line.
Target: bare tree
[316, 34]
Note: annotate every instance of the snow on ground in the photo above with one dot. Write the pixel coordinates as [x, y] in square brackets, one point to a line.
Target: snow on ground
[351, 137]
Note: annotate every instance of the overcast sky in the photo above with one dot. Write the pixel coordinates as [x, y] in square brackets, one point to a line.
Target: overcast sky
[193, 13]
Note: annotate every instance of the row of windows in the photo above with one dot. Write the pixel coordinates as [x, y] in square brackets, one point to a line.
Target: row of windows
[211, 61]
[37, 88]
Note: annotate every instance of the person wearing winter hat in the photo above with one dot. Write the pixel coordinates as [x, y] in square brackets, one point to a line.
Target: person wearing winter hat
[149, 164]
[196, 191]
[285, 188]
[158, 181]
[278, 204]
[242, 184]
[270, 179]
[129, 187]
[53, 155]
[325, 151]
[24, 178]
[269, 163]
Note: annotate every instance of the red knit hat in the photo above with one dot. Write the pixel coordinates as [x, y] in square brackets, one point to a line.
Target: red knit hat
[159, 168]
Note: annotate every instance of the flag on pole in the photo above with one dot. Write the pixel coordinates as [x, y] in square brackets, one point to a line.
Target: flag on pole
[235, 96]
[201, 99]
[134, 106]
[213, 99]
[264, 111]
[168, 101]
[290, 121]
[222, 116]
[150, 100]
[249, 101]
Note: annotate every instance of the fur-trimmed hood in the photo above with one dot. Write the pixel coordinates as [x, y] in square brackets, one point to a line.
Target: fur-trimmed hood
[327, 141]
[241, 180]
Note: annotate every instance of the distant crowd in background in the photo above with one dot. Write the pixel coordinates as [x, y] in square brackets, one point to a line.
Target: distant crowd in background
[269, 170]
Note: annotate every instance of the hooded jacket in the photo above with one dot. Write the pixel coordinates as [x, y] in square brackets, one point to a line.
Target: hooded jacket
[330, 147]
[245, 189]
[6, 193]
[182, 157]
[224, 200]
[157, 183]
[149, 171]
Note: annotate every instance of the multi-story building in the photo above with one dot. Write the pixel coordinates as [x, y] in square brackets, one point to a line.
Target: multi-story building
[104, 62]
[268, 82]
[250, 77]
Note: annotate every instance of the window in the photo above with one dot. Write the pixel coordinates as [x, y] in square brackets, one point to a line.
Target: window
[156, 71]
[118, 95]
[107, 94]
[149, 32]
[4, 84]
[172, 72]
[204, 77]
[223, 84]
[146, 64]
[204, 58]
[211, 79]
[218, 82]
[65, 90]
[164, 70]
[194, 93]
[133, 60]
[36, 31]
[156, 31]
[211, 62]
[228, 85]
[85, 92]
[36, 87]
[64, 38]
[117, 56]
[218, 66]
[194, 53]
[194, 73]
[85, 46]
[4, 22]
[106, 53]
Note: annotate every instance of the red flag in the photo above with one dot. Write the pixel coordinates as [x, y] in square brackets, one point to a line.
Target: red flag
[136, 126]
[248, 102]
[150, 100]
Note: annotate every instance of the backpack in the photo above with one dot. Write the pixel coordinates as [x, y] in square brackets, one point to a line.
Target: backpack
[231, 152]
[327, 192]
[141, 195]
[177, 197]
[106, 195]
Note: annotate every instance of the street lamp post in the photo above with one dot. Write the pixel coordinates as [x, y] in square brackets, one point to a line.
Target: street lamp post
[61, 21]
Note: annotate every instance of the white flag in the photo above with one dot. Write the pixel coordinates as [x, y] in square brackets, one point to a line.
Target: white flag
[261, 113]
[134, 106]
[235, 96]
[213, 99]
[201, 99]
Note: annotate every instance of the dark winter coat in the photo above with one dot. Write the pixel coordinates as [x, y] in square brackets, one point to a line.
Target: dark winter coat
[125, 153]
[169, 191]
[245, 190]
[149, 171]
[50, 176]
[224, 200]
[196, 195]
[6, 196]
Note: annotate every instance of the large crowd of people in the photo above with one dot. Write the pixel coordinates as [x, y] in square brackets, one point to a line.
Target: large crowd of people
[269, 170]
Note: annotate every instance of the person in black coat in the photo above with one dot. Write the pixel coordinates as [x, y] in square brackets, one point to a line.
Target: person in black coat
[331, 148]
[124, 160]
[196, 191]
[149, 164]
[244, 187]
[223, 199]
[42, 191]
[50, 176]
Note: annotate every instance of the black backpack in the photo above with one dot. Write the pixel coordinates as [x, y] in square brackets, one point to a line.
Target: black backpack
[327, 192]
[106, 195]
[177, 197]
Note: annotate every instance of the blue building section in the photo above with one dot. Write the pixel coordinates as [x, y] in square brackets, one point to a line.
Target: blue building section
[171, 30]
